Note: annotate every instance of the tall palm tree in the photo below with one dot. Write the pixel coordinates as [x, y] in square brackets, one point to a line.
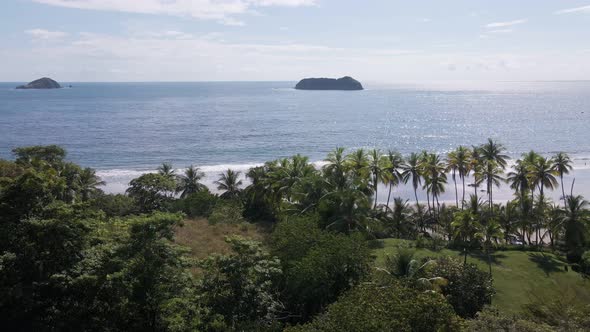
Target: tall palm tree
[529, 159]
[476, 165]
[435, 177]
[400, 214]
[493, 154]
[167, 170]
[466, 225]
[563, 165]
[462, 157]
[335, 167]
[494, 151]
[88, 182]
[575, 218]
[393, 174]
[189, 182]
[519, 179]
[229, 182]
[489, 233]
[542, 174]
[376, 167]
[492, 174]
[453, 167]
[358, 164]
[411, 171]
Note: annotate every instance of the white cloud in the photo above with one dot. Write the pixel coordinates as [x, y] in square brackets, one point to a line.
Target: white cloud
[501, 31]
[42, 34]
[583, 9]
[171, 55]
[505, 24]
[220, 10]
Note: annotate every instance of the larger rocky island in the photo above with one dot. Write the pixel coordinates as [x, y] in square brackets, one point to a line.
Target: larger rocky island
[343, 83]
[42, 83]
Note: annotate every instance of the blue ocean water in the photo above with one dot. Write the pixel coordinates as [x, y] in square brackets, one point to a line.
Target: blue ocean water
[124, 128]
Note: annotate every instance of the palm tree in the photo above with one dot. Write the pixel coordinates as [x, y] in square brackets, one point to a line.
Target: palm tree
[335, 167]
[466, 226]
[452, 166]
[400, 214]
[495, 162]
[529, 159]
[519, 179]
[358, 163]
[492, 231]
[167, 170]
[495, 152]
[492, 175]
[542, 174]
[229, 182]
[563, 165]
[411, 171]
[475, 165]
[575, 218]
[392, 171]
[87, 183]
[462, 157]
[435, 177]
[188, 183]
[376, 167]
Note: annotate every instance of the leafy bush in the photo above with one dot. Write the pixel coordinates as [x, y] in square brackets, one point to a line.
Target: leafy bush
[585, 263]
[563, 307]
[469, 289]
[115, 205]
[241, 288]
[490, 319]
[152, 191]
[318, 265]
[227, 212]
[369, 307]
[199, 204]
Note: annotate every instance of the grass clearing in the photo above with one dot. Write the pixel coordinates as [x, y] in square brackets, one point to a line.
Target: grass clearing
[517, 274]
[205, 239]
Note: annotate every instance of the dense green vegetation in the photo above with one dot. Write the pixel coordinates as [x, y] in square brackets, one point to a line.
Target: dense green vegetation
[332, 258]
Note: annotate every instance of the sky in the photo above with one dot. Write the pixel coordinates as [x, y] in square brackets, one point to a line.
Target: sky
[387, 41]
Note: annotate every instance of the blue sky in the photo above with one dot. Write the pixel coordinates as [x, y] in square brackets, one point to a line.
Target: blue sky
[373, 40]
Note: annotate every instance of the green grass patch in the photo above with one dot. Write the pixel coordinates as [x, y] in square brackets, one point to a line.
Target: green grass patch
[517, 274]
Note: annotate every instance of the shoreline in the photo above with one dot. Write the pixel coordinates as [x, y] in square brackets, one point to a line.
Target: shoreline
[118, 179]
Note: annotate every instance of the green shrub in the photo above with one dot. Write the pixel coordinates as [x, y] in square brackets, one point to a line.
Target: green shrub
[199, 204]
[241, 287]
[585, 263]
[319, 265]
[468, 290]
[227, 212]
[369, 307]
[491, 319]
[115, 205]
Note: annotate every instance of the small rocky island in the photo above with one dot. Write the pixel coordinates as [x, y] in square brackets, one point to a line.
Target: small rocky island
[344, 83]
[42, 83]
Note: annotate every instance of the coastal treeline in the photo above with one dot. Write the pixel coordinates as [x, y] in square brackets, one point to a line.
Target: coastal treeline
[75, 258]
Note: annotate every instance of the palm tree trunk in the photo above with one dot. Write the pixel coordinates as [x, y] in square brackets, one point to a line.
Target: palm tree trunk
[489, 261]
[465, 258]
[456, 192]
[389, 194]
[428, 201]
[491, 200]
[562, 188]
[376, 186]
[463, 200]
[417, 204]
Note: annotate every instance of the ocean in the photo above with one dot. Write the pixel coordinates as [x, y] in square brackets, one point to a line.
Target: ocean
[126, 129]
